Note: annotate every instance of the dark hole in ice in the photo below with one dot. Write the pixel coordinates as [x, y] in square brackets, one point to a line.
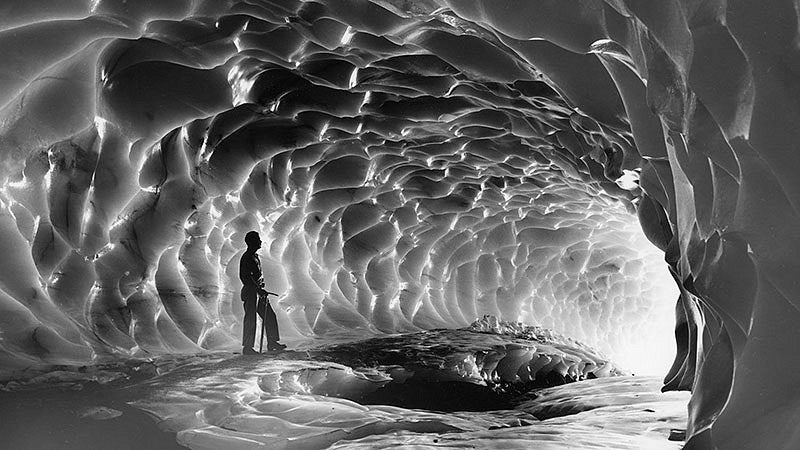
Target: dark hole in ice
[445, 396]
[451, 396]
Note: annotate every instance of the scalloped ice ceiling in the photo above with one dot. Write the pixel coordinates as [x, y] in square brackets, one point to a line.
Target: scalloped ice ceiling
[412, 165]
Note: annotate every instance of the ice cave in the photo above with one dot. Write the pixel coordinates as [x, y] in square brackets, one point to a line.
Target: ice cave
[549, 224]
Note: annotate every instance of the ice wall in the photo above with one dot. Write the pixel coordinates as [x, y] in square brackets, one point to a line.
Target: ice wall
[410, 165]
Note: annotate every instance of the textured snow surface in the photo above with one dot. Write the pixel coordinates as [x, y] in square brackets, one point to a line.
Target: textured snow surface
[411, 165]
[334, 395]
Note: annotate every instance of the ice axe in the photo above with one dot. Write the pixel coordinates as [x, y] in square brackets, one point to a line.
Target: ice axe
[264, 297]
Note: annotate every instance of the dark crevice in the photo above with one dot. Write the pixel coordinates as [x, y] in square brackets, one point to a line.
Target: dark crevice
[451, 396]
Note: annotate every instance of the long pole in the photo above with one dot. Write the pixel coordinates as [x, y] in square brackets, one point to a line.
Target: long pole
[261, 342]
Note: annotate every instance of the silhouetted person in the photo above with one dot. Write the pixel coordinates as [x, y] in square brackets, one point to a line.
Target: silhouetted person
[252, 290]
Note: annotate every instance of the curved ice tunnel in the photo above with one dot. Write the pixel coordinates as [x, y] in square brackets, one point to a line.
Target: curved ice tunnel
[414, 166]
[421, 250]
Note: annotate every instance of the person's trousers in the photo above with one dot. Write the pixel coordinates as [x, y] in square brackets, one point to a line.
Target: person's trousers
[264, 310]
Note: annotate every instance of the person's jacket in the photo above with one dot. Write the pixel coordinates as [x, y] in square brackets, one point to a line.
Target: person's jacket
[250, 272]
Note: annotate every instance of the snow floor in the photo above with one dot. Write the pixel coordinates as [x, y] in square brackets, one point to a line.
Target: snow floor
[425, 390]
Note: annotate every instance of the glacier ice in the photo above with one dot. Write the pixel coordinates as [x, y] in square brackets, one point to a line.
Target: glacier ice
[412, 166]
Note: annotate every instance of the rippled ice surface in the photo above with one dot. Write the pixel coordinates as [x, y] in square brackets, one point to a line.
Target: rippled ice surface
[441, 388]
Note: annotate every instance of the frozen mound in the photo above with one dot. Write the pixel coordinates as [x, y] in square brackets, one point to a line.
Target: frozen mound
[490, 324]
[464, 355]
[297, 400]
[411, 165]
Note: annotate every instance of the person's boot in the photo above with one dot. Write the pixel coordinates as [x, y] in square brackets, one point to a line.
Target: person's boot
[249, 351]
[275, 346]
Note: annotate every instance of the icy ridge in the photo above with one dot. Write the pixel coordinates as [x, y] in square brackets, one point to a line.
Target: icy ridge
[475, 356]
[491, 324]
